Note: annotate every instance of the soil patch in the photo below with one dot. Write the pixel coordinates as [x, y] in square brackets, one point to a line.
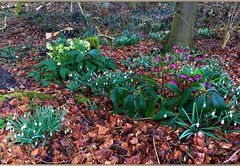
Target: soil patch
[6, 80]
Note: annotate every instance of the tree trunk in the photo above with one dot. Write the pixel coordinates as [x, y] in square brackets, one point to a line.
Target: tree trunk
[182, 26]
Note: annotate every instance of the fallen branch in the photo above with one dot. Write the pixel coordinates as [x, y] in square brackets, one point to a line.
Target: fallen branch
[102, 35]
[5, 23]
[155, 149]
[232, 157]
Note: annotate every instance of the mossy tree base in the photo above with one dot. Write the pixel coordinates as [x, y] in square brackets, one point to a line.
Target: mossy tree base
[182, 26]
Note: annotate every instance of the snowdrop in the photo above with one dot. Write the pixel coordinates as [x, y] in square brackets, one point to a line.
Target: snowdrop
[204, 105]
[222, 122]
[165, 115]
[23, 127]
[213, 113]
[197, 125]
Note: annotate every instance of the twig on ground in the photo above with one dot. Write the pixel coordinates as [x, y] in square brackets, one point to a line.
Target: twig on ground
[5, 23]
[231, 158]
[155, 149]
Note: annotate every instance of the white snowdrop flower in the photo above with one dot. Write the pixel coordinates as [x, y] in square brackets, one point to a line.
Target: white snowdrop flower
[70, 75]
[231, 115]
[223, 82]
[213, 113]
[225, 97]
[15, 136]
[68, 123]
[36, 143]
[24, 116]
[40, 123]
[9, 150]
[222, 122]
[96, 83]
[65, 131]
[35, 123]
[22, 134]
[125, 76]
[51, 134]
[197, 125]
[165, 115]
[106, 83]
[236, 102]
[235, 124]
[232, 90]
[23, 127]
[59, 63]
[34, 131]
[237, 93]
[204, 105]
[130, 71]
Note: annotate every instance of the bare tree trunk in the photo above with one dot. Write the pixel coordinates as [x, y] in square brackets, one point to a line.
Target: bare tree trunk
[183, 25]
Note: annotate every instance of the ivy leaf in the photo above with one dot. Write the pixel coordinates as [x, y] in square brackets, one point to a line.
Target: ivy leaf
[174, 88]
[218, 101]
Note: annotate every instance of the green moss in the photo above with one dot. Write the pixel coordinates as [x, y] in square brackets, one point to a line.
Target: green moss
[81, 99]
[94, 42]
[2, 98]
[35, 94]
[30, 95]
[33, 106]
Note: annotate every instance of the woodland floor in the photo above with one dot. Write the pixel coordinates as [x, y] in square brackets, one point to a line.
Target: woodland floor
[98, 136]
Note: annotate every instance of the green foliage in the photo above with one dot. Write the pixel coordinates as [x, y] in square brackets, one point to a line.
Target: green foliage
[31, 95]
[134, 63]
[198, 121]
[2, 124]
[68, 57]
[100, 83]
[18, 8]
[35, 129]
[136, 101]
[81, 99]
[205, 32]
[94, 42]
[159, 36]
[125, 40]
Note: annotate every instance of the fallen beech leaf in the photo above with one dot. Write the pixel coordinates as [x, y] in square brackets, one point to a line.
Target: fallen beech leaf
[14, 102]
[102, 155]
[23, 108]
[178, 155]
[102, 130]
[78, 159]
[34, 152]
[199, 139]
[225, 145]
[200, 158]
[183, 148]
[132, 160]
[134, 140]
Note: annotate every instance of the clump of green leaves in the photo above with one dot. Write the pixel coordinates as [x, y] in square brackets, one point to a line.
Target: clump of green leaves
[205, 32]
[100, 83]
[159, 36]
[69, 56]
[140, 100]
[125, 40]
[34, 129]
[94, 42]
